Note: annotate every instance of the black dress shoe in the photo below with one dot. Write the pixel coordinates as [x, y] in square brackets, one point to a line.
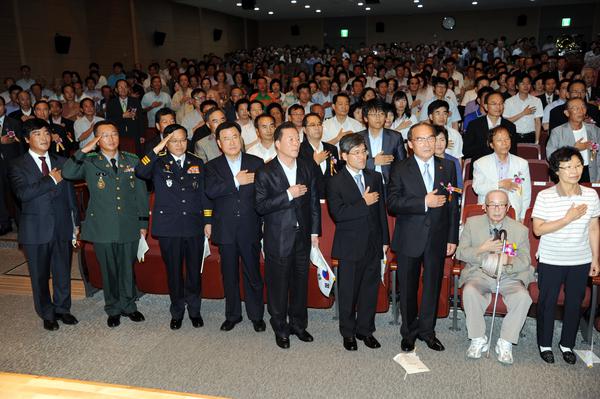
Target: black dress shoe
[304, 336]
[369, 340]
[197, 322]
[350, 343]
[50, 325]
[113, 321]
[282, 342]
[569, 357]
[407, 345]
[228, 324]
[434, 344]
[547, 356]
[67, 318]
[134, 316]
[259, 325]
[176, 324]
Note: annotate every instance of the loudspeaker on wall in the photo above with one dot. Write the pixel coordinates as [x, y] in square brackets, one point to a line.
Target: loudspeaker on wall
[295, 30]
[217, 33]
[522, 20]
[62, 44]
[379, 27]
[159, 38]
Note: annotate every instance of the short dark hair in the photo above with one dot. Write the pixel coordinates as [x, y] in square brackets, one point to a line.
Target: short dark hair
[303, 86]
[374, 104]
[436, 80]
[162, 112]
[520, 77]
[196, 91]
[416, 125]
[280, 128]
[436, 104]
[83, 100]
[274, 105]
[227, 125]
[41, 102]
[171, 128]
[259, 117]
[104, 123]
[348, 142]
[492, 133]
[576, 81]
[340, 95]
[563, 154]
[305, 119]
[32, 125]
[262, 106]
[273, 81]
[204, 103]
[212, 111]
[441, 130]
[294, 107]
[240, 102]
[485, 91]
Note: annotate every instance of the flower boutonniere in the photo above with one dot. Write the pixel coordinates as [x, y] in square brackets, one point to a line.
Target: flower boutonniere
[519, 179]
[11, 134]
[450, 190]
[594, 147]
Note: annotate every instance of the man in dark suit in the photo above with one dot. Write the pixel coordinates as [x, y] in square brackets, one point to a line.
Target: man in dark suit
[126, 112]
[25, 112]
[181, 218]
[426, 231]
[361, 238]
[162, 118]
[558, 116]
[10, 148]
[287, 198]
[47, 225]
[323, 156]
[475, 140]
[549, 94]
[237, 227]
[385, 146]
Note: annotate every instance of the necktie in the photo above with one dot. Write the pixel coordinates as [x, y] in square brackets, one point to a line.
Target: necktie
[359, 183]
[124, 105]
[427, 178]
[114, 164]
[179, 163]
[45, 169]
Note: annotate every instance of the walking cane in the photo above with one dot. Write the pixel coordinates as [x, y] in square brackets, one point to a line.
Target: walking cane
[502, 235]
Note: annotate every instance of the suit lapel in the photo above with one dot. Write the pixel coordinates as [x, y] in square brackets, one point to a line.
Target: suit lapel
[280, 174]
[415, 171]
[227, 170]
[32, 165]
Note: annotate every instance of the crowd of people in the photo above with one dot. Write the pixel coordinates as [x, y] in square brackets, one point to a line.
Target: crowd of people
[241, 149]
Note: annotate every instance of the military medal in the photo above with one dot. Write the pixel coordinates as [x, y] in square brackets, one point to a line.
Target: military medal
[169, 182]
[195, 185]
[101, 183]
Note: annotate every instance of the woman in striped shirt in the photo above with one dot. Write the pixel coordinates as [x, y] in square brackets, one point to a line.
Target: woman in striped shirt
[565, 216]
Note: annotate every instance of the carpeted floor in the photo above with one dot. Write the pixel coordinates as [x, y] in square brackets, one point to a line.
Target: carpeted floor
[245, 364]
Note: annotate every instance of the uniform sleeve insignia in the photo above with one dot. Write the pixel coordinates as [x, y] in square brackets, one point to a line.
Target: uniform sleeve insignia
[145, 160]
[208, 213]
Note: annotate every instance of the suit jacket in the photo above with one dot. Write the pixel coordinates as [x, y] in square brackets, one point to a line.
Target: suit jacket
[417, 228]
[118, 206]
[355, 222]
[563, 136]
[128, 127]
[393, 144]
[48, 210]
[476, 231]
[485, 179]
[181, 208]
[281, 216]
[15, 149]
[233, 209]
[558, 117]
[475, 140]
[207, 148]
[544, 101]
[331, 163]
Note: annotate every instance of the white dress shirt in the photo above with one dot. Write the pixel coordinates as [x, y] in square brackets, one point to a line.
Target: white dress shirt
[235, 165]
[266, 154]
[514, 105]
[332, 126]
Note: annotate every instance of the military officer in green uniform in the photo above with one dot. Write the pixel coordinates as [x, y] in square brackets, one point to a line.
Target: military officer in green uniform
[116, 216]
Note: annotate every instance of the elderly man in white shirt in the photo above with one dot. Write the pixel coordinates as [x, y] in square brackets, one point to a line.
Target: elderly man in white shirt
[155, 99]
[84, 126]
[525, 111]
[340, 124]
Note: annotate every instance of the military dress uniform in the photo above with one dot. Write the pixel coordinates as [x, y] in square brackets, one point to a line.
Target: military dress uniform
[181, 210]
[117, 210]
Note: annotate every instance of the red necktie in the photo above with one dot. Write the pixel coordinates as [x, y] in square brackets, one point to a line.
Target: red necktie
[45, 170]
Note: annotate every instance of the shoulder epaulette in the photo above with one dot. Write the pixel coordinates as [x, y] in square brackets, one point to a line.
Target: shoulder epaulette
[129, 154]
[93, 155]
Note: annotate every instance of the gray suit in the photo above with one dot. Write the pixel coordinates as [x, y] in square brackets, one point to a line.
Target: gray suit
[478, 286]
[207, 148]
[563, 136]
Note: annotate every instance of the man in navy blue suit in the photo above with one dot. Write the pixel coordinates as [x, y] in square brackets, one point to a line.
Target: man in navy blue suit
[236, 227]
[48, 223]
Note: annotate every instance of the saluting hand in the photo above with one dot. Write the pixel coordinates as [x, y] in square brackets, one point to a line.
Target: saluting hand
[163, 143]
[91, 145]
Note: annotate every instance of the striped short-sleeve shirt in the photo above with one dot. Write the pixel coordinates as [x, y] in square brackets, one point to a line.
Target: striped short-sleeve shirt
[570, 245]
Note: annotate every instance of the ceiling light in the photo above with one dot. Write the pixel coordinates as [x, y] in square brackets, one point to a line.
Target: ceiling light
[317, 10]
[474, 3]
[256, 9]
[416, 1]
[307, 6]
[271, 12]
[420, 6]
[360, 4]
[368, 8]
[293, 1]
[238, 4]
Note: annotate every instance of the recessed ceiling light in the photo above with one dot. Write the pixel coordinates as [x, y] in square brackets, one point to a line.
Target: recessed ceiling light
[416, 1]
[271, 12]
[317, 10]
[256, 9]
[307, 6]
[474, 3]
[360, 4]
[420, 6]
[293, 1]
[238, 4]
[368, 8]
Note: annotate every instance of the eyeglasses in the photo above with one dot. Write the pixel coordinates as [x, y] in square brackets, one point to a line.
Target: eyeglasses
[314, 125]
[496, 206]
[112, 134]
[358, 153]
[423, 140]
[571, 167]
[377, 114]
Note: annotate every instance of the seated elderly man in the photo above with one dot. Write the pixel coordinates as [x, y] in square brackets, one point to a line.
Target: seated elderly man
[480, 248]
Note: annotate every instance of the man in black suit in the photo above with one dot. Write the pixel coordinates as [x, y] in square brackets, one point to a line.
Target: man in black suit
[385, 146]
[181, 218]
[576, 89]
[323, 156]
[426, 232]
[10, 148]
[237, 227]
[25, 112]
[549, 94]
[361, 238]
[126, 112]
[475, 140]
[287, 198]
[48, 223]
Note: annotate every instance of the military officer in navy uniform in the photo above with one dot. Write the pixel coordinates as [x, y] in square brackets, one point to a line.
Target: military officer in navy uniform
[181, 218]
[116, 216]
[230, 185]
